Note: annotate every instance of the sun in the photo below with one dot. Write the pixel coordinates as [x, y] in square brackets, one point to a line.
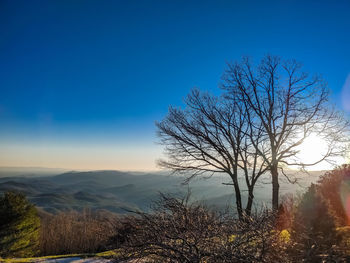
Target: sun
[312, 150]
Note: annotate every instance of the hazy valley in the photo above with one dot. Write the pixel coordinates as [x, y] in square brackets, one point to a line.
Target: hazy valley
[120, 192]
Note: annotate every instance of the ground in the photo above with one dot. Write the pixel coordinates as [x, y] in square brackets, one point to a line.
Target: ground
[77, 260]
[103, 257]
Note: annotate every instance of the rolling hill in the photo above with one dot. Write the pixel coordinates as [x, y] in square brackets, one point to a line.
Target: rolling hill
[121, 192]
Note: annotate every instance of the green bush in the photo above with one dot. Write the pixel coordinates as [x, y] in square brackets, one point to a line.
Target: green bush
[313, 230]
[19, 226]
[334, 187]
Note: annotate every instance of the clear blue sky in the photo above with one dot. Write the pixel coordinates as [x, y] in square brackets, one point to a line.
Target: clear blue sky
[82, 82]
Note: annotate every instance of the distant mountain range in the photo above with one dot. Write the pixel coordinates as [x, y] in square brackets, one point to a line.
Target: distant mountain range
[121, 192]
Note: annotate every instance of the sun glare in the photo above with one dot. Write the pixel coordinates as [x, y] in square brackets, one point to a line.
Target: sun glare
[312, 150]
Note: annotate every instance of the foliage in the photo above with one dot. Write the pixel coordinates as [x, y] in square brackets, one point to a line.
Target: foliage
[313, 231]
[19, 226]
[285, 213]
[334, 186]
[285, 236]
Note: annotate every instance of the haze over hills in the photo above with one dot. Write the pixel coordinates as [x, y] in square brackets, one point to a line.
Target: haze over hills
[29, 171]
[121, 192]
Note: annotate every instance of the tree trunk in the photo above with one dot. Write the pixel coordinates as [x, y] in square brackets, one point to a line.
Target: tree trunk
[275, 187]
[248, 209]
[238, 197]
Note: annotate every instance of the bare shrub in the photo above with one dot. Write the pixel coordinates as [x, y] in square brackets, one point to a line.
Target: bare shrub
[76, 232]
[178, 231]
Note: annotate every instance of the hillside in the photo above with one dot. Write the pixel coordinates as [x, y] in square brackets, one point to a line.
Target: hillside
[121, 192]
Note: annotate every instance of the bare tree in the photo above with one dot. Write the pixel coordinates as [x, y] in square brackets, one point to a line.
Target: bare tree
[288, 106]
[214, 135]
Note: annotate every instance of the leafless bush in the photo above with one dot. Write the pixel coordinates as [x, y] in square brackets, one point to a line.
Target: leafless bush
[178, 231]
[76, 232]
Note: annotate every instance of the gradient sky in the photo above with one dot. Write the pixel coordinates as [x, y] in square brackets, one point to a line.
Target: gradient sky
[82, 82]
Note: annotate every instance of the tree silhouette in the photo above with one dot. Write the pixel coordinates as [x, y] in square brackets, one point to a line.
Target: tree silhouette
[256, 125]
[213, 135]
[288, 105]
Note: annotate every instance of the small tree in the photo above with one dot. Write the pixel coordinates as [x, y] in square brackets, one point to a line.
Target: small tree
[313, 229]
[335, 188]
[19, 226]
